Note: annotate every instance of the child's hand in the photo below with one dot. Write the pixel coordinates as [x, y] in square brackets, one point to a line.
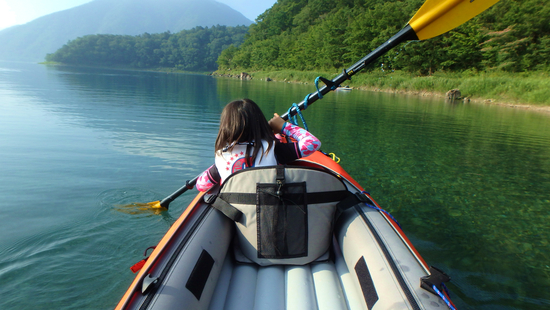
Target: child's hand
[276, 123]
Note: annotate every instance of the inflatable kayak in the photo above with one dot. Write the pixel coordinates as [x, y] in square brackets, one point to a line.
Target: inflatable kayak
[302, 236]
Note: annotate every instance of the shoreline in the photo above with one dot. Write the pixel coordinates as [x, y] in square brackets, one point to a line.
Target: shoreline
[306, 78]
[487, 101]
[424, 93]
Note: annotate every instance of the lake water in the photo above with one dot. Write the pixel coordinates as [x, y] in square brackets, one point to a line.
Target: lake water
[469, 183]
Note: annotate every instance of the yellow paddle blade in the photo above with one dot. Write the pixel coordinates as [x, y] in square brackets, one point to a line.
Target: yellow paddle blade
[155, 205]
[141, 208]
[436, 17]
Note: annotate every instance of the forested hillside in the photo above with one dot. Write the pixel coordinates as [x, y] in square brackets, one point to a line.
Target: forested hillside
[32, 41]
[324, 34]
[190, 50]
[310, 35]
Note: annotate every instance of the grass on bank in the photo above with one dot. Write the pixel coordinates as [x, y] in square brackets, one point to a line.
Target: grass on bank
[502, 87]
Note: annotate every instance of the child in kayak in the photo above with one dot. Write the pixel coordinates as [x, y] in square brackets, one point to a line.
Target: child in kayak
[246, 139]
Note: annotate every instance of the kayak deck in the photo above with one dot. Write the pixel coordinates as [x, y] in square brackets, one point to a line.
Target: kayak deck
[197, 265]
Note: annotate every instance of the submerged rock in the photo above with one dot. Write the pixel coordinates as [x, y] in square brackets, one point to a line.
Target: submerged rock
[245, 76]
[453, 94]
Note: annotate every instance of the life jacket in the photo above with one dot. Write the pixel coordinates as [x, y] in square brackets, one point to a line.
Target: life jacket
[229, 162]
[284, 214]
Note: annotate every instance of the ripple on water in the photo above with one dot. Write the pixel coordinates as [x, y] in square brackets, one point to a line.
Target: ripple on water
[56, 264]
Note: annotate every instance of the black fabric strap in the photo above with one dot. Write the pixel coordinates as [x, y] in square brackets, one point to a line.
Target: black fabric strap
[350, 201]
[312, 198]
[324, 197]
[280, 174]
[239, 198]
[227, 209]
[224, 200]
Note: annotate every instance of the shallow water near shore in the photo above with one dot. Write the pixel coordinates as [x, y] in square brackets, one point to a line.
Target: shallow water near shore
[469, 183]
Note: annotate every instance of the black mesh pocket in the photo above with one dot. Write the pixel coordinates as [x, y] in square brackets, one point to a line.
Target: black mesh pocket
[282, 220]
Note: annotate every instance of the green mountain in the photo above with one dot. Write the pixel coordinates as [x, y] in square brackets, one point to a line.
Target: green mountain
[32, 41]
[315, 35]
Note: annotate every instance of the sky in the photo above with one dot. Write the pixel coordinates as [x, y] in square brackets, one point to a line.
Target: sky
[17, 12]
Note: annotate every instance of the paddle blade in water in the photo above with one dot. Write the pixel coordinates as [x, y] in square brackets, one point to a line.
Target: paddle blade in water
[436, 17]
[156, 205]
[140, 208]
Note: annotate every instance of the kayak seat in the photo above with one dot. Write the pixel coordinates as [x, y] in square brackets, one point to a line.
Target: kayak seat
[283, 214]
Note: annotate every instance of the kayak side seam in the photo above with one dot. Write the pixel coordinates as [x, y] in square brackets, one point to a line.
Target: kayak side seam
[390, 259]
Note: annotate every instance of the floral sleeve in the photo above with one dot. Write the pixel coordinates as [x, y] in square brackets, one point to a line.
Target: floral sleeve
[207, 179]
[307, 143]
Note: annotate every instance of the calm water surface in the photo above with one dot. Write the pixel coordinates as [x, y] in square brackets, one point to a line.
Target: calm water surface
[470, 184]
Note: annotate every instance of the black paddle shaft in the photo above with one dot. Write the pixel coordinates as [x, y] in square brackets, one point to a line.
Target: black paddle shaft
[188, 185]
[405, 34]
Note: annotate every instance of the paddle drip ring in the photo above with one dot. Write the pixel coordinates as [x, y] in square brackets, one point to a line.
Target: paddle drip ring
[293, 119]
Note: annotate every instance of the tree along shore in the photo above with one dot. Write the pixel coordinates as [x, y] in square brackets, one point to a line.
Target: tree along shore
[196, 49]
[511, 36]
[500, 56]
[520, 90]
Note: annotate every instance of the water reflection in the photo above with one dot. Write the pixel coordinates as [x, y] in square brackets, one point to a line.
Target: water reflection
[468, 182]
[469, 178]
[173, 117]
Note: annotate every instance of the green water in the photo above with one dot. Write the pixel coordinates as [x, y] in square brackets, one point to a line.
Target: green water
[469, 183]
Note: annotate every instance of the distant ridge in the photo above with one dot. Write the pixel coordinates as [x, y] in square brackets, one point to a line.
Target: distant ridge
[32, 41]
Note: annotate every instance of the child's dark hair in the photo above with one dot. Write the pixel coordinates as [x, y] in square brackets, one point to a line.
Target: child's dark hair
[243, 121]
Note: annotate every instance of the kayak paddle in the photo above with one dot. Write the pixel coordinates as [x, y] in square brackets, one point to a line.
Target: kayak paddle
[434, 18]
[166, 201]
[158, 205]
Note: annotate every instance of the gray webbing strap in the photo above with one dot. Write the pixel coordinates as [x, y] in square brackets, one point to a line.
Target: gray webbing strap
[227, 209]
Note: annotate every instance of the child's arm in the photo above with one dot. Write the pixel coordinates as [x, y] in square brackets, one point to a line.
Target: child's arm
[307, 143]
[208, 179]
